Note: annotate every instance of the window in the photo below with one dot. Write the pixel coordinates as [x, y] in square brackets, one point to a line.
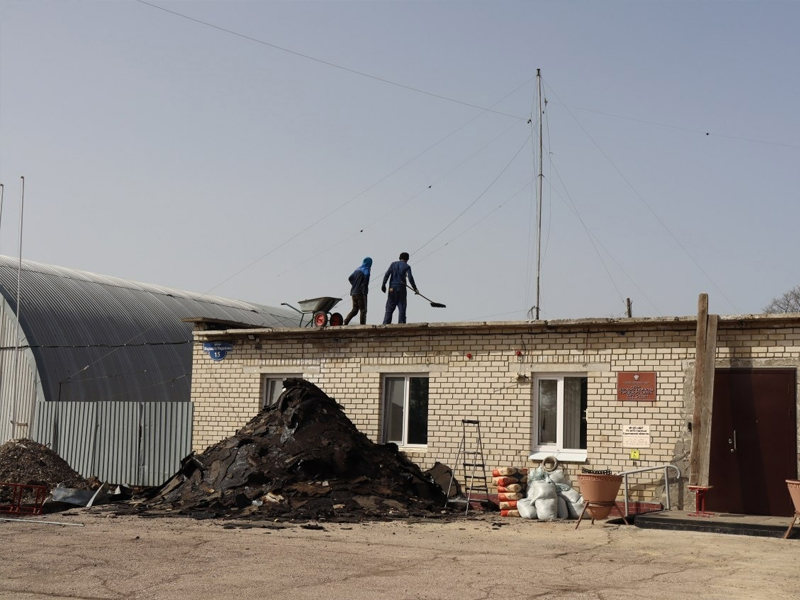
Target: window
[405, 410]
[559, 417]
[271, 388]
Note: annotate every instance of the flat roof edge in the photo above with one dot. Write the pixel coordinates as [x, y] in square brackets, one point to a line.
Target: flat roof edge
[727, 321]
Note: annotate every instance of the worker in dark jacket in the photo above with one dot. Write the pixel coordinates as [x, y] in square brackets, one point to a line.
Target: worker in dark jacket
[359, 282]
[396, 275]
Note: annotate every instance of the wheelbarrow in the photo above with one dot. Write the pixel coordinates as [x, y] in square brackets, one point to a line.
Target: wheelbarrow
[320, 311]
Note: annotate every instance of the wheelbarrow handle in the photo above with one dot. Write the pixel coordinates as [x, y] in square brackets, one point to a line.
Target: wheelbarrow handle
[292, 307]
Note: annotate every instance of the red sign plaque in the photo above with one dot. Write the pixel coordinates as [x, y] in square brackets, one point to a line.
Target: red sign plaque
[636, 386]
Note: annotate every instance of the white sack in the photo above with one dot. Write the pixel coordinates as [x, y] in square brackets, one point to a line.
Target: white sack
[563, 513]
[574, 502]
[546, 508]
[526, 508]
[537, 474]
[541, 489]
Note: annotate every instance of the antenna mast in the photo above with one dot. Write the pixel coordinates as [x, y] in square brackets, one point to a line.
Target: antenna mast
[539, 199]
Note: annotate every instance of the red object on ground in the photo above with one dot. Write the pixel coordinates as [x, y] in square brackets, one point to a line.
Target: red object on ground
[700, 501]
[25, 499]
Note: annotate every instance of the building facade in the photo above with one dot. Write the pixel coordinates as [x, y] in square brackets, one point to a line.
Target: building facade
[611, 394]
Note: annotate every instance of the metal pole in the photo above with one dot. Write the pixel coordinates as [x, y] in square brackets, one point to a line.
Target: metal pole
[2, 192]
[15, 392]
[625, 477]
[2, 316]
[539, 201]
[42, 522]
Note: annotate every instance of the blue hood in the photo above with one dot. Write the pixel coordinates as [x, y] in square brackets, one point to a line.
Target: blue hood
[365, 266]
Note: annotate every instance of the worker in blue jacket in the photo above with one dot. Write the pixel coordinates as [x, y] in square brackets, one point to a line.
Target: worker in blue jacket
[359, 282]
[396, 275]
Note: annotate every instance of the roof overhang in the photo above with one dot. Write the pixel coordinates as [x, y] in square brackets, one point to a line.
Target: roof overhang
[210, 324]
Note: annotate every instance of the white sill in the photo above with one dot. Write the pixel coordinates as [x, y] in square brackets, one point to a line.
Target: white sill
[561, 455]
[411, 448]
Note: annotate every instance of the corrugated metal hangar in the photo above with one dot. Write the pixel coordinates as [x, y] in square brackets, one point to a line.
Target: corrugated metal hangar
[79, 336]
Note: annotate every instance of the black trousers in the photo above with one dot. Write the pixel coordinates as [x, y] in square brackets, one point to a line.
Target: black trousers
[396, 298]
[359, 304]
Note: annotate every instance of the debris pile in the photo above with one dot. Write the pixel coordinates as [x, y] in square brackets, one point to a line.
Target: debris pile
[445, 479]
[300, 459]
[31, 463]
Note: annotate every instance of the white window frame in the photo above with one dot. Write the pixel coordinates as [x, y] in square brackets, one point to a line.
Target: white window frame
[406, 407]
[541, 451]
[267, 380]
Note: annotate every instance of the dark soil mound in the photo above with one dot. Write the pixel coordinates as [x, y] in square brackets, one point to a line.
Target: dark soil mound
[31, 463]
[300, 459]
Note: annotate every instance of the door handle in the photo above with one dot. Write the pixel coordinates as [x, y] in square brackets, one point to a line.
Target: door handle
[733, 441]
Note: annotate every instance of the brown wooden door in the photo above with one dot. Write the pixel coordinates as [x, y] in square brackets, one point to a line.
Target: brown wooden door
[753, 441]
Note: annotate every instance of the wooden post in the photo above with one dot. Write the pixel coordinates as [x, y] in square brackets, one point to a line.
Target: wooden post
[705, 353]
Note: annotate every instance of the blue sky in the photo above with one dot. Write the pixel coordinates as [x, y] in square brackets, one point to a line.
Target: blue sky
[262, 153]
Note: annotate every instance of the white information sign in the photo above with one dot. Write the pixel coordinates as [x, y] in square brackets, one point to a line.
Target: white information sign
[636, 436]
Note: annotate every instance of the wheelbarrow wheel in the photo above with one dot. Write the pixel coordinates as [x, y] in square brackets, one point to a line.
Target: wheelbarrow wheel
[336, 319]
[320, 319]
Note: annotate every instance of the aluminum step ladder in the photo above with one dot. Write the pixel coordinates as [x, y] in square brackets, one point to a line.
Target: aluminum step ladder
[470, 451]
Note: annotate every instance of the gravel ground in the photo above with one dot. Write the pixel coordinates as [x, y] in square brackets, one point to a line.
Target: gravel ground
[129, 557]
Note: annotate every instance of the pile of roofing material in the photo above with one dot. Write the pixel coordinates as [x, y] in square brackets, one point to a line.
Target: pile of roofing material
[445, 479]
[300, 459]
[31, 463]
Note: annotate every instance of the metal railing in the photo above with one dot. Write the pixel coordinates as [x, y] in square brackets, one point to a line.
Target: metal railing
[666, 480]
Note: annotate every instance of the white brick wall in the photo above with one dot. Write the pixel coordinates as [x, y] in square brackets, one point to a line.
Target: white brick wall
[346, 363]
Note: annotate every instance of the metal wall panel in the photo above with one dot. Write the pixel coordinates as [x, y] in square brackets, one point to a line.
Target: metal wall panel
[130, 443]
[166, 439]
[18, 379]
[117, 442]
[68, 428]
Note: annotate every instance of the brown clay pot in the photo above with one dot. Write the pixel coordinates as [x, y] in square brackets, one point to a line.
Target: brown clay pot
[599, 488]
[794, 492]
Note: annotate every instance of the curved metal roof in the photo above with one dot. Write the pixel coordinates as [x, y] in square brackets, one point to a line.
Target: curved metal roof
[96, 337]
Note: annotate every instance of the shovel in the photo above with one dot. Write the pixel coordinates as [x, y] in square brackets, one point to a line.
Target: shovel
[433, 304]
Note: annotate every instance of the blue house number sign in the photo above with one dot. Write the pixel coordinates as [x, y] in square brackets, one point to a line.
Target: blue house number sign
[217, 350]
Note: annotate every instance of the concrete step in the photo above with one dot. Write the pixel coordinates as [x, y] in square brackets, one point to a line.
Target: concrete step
[755, 525]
